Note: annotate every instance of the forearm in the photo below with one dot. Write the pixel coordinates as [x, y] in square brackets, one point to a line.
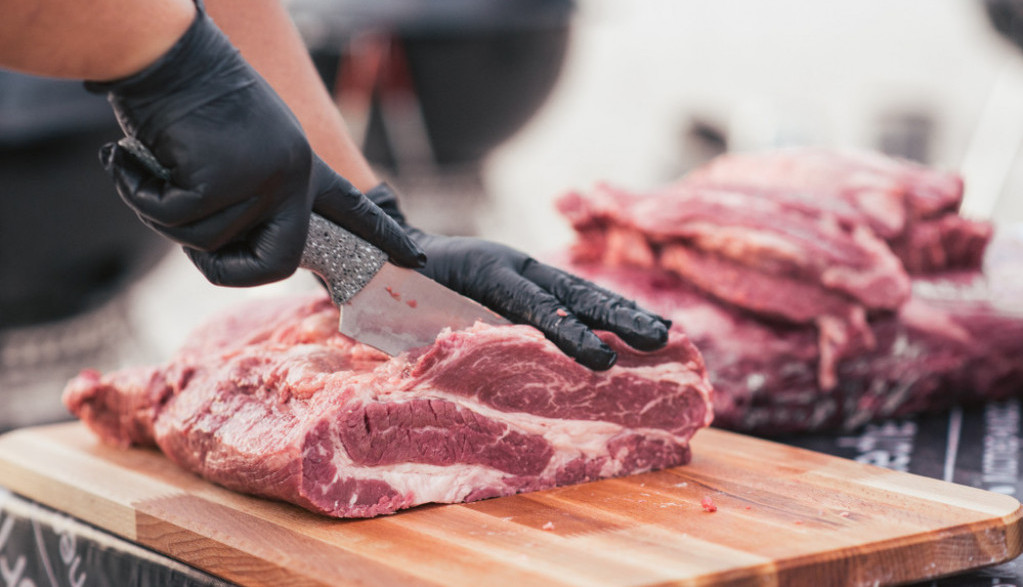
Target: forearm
[266, 37]
[95, 40]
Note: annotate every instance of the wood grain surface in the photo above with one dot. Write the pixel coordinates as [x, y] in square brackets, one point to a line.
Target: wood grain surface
[784, 516]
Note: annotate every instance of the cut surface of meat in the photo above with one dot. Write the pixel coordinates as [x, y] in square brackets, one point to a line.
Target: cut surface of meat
[271, 400]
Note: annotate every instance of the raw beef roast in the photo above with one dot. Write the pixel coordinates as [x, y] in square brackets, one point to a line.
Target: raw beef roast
[271, 400]
[788, 270]
[913, 207]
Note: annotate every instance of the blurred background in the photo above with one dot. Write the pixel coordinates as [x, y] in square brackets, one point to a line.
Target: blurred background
[482, 112]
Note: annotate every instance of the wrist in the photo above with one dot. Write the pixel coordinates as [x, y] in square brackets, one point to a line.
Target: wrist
[146, 43]
[198, 68]
[170, 67]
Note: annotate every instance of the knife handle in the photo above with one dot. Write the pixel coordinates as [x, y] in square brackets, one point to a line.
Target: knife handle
[344, 261]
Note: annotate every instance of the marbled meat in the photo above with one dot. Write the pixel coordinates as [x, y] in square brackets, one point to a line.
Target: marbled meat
[271, 400]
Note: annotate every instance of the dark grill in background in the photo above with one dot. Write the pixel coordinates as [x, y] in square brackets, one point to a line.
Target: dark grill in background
[430, 89]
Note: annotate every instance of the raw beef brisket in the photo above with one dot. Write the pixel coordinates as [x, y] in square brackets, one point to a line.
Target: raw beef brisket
[790, 270]
[271, 400]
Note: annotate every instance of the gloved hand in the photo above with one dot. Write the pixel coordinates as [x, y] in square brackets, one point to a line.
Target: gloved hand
[564, 307]
[243, 176]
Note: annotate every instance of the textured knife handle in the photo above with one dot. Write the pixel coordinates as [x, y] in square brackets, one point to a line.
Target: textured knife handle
[344, 261]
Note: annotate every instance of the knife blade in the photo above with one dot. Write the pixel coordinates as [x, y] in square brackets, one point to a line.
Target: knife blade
[390, 308]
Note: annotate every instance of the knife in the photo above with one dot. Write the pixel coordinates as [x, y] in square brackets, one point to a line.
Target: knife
[390, 308]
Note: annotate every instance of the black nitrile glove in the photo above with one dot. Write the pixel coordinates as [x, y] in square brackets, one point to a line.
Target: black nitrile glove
[564, 307]
[243, 176]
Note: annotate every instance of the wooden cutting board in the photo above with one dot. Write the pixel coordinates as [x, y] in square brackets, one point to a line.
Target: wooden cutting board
[785, 516]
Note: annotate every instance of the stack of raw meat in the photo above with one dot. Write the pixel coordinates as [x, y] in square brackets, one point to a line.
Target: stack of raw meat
[824, 289]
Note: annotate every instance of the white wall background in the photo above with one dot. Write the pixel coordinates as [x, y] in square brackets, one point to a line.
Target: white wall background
[771, 72]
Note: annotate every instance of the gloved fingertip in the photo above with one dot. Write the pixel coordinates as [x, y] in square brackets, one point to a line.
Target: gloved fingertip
[596, 355]
[641, 330]
[659, 332]
[659, 324]
[655, 317]
[420, 258]
[415, 252]
[412, 257]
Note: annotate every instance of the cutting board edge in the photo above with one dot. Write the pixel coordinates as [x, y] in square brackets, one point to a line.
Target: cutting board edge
[789, 571]
[116, 516]
[229, 560]
[1014, 530]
